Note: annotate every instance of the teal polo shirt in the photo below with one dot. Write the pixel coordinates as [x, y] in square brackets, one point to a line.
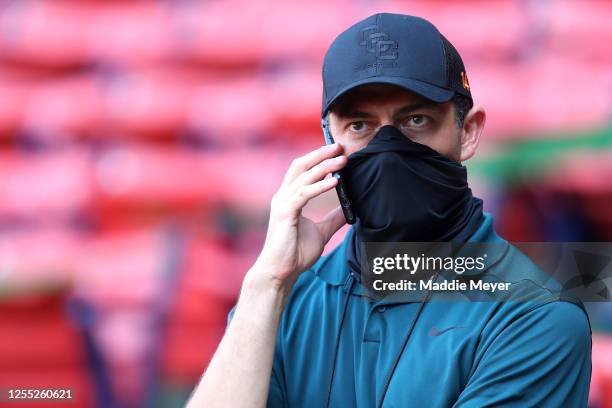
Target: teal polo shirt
[459, 354]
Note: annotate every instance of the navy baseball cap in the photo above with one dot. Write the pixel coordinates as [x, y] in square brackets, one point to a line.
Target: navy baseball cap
[397, 49]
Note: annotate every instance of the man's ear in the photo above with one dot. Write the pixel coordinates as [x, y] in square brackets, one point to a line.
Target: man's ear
[472, 129]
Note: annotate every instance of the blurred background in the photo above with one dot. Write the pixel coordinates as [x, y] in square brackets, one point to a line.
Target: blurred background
[141, 142]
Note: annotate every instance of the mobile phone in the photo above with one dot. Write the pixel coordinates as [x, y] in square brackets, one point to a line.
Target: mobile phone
[345, 203]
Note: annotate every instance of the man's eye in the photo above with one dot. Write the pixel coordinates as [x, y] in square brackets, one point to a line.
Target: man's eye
[416, 121]
[357, 126]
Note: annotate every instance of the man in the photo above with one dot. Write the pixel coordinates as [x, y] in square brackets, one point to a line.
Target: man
[301, 335]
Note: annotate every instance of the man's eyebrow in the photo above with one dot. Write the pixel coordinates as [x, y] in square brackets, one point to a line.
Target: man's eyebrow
[353, 114]
[349, 112]
[416, 106]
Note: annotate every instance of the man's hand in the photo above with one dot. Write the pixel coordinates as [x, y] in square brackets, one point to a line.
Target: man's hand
[294, 242]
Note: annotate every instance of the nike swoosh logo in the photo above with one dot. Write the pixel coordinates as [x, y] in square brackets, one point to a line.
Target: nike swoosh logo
[434, 332]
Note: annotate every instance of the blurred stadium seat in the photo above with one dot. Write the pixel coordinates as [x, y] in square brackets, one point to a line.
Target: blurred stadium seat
[472, 26]
[45, 185]
[60, 361]
[581, 29]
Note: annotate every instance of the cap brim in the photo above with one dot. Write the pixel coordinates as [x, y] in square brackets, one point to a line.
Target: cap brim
[428, 91]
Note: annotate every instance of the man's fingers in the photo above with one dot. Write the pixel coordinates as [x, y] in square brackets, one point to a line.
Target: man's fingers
[304, 163]
[305, 193]
[293, 196]
[333, 221]
[319, 171]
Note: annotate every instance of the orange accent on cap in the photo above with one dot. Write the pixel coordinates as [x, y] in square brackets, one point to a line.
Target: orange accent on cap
[464, 80]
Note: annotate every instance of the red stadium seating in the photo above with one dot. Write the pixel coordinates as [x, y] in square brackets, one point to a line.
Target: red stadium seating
[36, 186]
[124, 268]
[45, 33]
[261, 31]
[218, 115]
[131, 34]
[473, 26]
[295, 102]
[64, 34]
[144, 177]
[148, 103]
[41, 347]
[38, 256]
[545, 95]
[15, 87]
[63, 109]
[206, 290]
[127, 278]
[601, 379]
[580, 29]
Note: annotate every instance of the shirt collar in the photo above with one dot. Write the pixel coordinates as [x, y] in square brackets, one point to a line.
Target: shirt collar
[333, 268]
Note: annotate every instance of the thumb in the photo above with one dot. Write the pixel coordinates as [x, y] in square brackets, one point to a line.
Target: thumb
[332, 222]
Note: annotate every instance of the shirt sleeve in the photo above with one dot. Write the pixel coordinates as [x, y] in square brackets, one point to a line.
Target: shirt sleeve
[543, 358]
[276, 396]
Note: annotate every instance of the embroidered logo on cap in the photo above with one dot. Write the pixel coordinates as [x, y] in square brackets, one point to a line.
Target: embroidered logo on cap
[379, 43]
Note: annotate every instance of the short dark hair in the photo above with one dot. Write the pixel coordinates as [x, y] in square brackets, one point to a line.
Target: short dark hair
[462, 105]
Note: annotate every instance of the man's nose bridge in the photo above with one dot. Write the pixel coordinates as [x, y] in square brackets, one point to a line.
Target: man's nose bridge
[386, 121]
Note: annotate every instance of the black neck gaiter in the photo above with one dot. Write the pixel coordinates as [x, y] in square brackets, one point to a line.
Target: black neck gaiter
[403, 191]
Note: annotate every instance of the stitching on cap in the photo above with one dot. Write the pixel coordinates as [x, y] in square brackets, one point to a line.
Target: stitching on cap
[446, 63]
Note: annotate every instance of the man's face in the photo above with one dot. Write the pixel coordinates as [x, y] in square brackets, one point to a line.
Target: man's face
[357, 116]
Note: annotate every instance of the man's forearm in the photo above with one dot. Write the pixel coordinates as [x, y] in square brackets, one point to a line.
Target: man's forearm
[239, 372]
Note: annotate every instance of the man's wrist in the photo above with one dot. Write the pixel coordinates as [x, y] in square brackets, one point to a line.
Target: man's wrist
[259, 283]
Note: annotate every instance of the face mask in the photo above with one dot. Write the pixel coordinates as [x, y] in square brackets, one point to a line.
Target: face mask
[405, 191]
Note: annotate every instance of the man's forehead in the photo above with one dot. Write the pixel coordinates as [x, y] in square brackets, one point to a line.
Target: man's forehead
[364, 95]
